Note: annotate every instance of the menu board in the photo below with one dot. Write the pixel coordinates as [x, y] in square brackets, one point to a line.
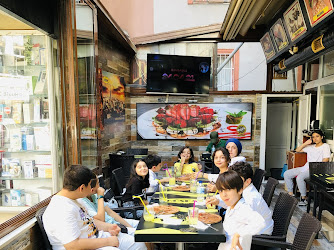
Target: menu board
[279, 35]
[267, 46]
[318, 10]
[294, 21]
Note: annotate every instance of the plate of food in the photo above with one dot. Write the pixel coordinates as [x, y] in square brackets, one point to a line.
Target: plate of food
[209, 218]
[186, 177]
[181, 188]
[165, 209]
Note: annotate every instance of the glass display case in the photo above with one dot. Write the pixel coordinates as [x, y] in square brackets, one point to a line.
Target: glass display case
[28, 128]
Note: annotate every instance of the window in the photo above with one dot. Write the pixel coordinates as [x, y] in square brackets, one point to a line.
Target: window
[227, 78]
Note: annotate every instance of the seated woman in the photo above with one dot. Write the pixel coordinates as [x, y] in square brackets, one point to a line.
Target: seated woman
[234, 147]
[317, 151]
[96, 208]
[221, 159]
[138, 182]
[186, 163]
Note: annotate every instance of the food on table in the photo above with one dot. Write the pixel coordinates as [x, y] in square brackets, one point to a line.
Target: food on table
[182, 120]
[165, 209]
[181, 188]
[186, 177]
[235, 118]
[209, 218]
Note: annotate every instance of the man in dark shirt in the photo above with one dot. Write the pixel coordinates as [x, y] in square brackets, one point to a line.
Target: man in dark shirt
[215, 142]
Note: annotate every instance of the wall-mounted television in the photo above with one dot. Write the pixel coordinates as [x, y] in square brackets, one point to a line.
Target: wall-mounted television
[184, 75]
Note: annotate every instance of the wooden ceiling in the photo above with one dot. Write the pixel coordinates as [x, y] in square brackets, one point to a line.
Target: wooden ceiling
[8, 22]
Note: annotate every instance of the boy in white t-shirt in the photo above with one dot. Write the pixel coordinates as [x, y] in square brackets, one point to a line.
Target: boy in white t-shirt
[68, 225]
[317, 151]
[153, 162]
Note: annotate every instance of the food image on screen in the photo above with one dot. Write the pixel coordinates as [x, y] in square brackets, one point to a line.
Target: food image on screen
[193, 121]
[181, 120]
[235, 118]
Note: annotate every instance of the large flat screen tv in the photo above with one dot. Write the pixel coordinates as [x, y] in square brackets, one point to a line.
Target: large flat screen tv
[185, 75]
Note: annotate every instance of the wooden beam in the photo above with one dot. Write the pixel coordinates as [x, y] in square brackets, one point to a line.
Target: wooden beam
[172, 35]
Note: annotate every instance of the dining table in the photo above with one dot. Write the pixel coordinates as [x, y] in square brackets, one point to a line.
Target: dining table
[175, 228]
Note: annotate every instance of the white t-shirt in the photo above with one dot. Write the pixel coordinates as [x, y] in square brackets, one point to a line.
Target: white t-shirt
[64, 221]
[244, 221]
[236, 159]
[257, 203]
[152, 180]
[316, 154]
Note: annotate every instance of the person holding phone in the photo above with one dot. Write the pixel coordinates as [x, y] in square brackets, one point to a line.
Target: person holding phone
[317, 151]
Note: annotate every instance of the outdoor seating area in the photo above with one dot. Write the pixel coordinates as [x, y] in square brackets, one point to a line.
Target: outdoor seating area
[167, 125]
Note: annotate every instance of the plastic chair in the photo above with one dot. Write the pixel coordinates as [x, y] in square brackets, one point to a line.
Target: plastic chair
[258, 178]
[282, 214]
[306, 232]
[39, 218]
[269, 190]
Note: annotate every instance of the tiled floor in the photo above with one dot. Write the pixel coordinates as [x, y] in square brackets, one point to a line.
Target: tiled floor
[319, 244]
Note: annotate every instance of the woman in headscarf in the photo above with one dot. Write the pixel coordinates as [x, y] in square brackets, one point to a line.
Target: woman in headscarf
[234, 147]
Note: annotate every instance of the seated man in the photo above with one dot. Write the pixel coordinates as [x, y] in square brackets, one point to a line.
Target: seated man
[251, 195]
[215, 142]
[68, 225]
[153, 162]
[94, 204]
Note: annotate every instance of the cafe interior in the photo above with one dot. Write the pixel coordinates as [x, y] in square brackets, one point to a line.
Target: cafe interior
[104, 84]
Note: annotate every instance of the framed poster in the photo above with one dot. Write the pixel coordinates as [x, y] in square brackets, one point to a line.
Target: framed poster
[267, 46]
[196, 121]
[294, 21]
[318, 10]
[279, 35]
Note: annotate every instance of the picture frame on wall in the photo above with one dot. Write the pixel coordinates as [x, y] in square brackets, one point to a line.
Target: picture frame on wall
[278, 33]
[267, 46]
[195, 121]
[318, 10]
[294, 21]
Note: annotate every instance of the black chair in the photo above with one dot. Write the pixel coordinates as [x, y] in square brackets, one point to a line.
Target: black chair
[258, 178]
[269, 190]
[39, 218]
[120, 179]
[119, 161]
[283, 210]
[306, 232]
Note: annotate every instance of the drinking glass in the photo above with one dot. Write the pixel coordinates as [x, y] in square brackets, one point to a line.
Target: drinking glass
[149, 216]
[193, 186]
[209, 196]
[163, 201]
[172, 180]
[193, 215]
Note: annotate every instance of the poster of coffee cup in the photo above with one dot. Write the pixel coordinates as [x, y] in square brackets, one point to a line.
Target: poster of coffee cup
[294, 21]
[279, 35]
[318, 10]
[267, 46]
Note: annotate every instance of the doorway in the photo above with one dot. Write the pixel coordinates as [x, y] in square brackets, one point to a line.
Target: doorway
[279, 119]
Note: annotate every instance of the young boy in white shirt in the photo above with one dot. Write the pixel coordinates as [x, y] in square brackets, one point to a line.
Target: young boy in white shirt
[68, 225]
[252, 196]
[241, 222]
[153, 162]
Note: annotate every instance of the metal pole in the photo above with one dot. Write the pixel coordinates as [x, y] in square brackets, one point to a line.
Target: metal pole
[229, 58]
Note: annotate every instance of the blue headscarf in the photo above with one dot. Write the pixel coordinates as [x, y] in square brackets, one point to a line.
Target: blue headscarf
[236, 142]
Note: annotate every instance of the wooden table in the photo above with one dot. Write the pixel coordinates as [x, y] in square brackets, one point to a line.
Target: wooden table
[156, 231]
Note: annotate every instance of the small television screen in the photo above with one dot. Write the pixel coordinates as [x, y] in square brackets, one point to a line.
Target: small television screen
[178, 74]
